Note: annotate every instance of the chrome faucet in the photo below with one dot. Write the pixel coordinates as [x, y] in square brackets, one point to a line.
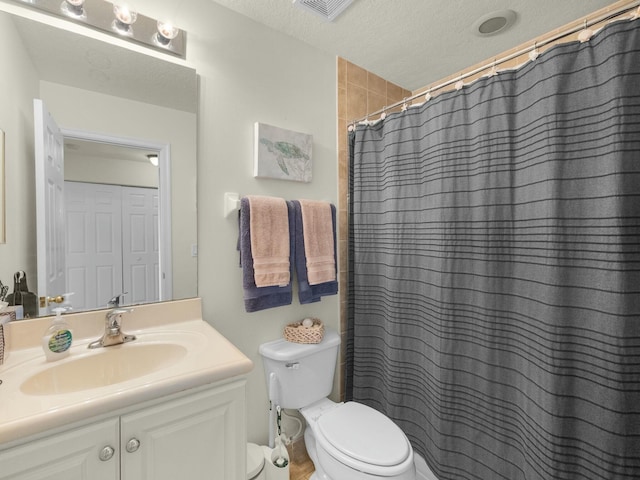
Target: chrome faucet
[113, 335]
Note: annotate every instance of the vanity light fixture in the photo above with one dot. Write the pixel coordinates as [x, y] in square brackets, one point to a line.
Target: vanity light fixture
[153, 158]
[115, 18]
[125, 17]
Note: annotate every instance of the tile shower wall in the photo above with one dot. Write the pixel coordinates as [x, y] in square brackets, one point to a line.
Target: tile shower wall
[359, 92]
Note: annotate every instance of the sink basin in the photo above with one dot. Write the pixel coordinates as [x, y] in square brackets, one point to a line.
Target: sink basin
[109, 366]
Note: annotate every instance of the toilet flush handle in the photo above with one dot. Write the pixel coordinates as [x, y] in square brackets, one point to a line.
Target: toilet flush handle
[293, 365]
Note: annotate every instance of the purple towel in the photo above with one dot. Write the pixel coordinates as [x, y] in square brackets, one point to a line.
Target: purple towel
[310, 293]
[261, 298]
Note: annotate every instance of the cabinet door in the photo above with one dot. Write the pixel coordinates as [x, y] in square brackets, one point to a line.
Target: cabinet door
[200, 437]
[72, 455]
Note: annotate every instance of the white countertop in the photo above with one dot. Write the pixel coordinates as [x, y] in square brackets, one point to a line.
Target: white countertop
[209, 358]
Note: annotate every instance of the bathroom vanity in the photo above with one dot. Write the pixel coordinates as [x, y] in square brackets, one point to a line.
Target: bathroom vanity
[170, 404]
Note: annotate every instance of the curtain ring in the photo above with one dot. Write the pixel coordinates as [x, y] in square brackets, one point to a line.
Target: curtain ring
[494, 71]
[586, 34]
[428, 97]
[533, 54]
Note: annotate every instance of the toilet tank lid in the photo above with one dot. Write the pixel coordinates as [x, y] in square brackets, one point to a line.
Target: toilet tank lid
[283, 350]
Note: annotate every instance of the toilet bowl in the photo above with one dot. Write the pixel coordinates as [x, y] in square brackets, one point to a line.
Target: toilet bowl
[346, 441]
[353, 441]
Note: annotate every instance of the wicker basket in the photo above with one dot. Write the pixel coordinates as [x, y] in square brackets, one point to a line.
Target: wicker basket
[298, 333]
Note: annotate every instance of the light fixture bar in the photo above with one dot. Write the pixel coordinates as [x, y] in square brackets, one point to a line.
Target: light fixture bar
[100, 15]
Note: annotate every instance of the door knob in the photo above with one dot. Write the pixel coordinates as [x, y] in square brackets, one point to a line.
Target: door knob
[44, 301]
[106, 453]
[133, 445]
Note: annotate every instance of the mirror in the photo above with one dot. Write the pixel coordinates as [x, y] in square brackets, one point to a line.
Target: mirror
[95, 89]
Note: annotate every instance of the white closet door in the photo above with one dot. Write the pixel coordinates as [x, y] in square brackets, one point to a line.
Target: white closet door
[94, 245]
[140, 242]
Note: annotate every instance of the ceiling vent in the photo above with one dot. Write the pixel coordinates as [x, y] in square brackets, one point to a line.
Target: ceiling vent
[494, 23]
[327, 9]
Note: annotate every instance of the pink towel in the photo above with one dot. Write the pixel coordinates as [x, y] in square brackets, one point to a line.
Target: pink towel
[269, 219]
[317, 230]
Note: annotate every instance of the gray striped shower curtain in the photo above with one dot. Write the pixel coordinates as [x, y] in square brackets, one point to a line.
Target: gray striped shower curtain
[494, 255]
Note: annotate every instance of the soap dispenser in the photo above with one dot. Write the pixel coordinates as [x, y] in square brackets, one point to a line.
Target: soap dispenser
[56, 341]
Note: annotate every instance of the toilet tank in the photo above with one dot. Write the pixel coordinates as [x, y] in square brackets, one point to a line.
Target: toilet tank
[300, 374]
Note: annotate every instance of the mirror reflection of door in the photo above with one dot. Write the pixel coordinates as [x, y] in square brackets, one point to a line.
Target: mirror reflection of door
[110, 225]
[49, 170]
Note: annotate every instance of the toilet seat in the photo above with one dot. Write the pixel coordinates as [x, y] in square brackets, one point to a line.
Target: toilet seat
[364, 439]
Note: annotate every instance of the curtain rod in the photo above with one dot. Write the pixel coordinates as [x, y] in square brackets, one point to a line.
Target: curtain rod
[587, 23]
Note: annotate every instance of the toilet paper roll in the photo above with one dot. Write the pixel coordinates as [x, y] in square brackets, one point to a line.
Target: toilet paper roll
[272, 471]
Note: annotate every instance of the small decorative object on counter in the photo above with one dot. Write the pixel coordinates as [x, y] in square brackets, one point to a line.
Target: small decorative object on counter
[22, 296]
[4, 290]
[309, 330]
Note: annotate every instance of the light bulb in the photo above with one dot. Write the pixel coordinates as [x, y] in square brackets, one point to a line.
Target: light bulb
[125, 17]
[73, 8]
[166, 32]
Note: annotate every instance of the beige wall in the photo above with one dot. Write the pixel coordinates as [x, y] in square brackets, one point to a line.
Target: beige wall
[250, 73]
[19, 78]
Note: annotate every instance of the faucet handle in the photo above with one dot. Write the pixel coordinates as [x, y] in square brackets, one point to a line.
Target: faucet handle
[113, 320]
[115, 301]
[116, 312]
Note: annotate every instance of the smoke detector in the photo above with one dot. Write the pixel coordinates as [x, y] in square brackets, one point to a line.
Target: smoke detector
[327, 9]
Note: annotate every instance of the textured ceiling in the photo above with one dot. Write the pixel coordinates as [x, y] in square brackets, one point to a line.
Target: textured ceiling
[415, 42]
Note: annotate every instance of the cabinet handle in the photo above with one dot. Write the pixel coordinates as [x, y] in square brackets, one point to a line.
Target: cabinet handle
[133, 445]
[106, 453]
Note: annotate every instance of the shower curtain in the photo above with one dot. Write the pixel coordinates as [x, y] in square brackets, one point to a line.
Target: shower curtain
[494, 262]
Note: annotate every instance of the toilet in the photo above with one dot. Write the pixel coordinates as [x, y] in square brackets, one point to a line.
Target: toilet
[346, 441]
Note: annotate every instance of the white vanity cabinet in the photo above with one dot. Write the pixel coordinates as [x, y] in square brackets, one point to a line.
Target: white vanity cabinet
[199, 434]
[71, 455]
[197, 437]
